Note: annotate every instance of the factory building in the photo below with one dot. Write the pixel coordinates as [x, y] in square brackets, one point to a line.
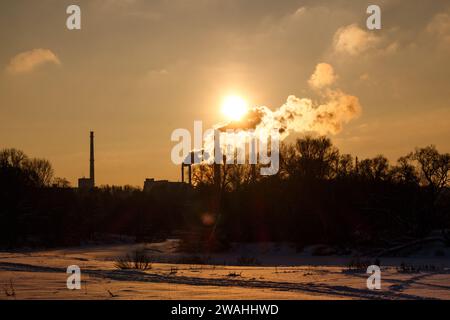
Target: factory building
[151, 185]
[194, 156]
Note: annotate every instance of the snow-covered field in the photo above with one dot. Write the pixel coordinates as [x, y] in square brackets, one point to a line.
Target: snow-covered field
[280, 273]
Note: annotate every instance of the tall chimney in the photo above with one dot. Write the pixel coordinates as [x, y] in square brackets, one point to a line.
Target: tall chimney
[218, 158]
[92, 171]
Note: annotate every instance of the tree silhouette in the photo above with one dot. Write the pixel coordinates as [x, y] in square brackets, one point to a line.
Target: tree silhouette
[405, 172]
[433, 167]
[319, 196]
[41, 172]
[13, 158]
[375, 169]
[310, 158]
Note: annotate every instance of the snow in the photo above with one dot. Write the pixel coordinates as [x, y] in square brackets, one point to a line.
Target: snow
[280, 273]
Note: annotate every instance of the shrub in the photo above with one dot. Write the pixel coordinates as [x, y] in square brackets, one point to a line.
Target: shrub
[137, 260]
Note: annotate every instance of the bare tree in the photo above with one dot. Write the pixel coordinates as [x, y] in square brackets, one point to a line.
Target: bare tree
[344, 165]
[375, 169]
[380, 168]
[202, 174]
[13, 158]
[288, 160]
[315, 157]
[41, 171]
[405, 172]
[237, 175]
[433, 167]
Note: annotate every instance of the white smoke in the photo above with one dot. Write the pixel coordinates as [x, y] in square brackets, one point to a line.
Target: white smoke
[323, 76]
[333, 109]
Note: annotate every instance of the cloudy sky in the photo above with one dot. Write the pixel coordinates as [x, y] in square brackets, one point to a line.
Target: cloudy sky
[138, 69]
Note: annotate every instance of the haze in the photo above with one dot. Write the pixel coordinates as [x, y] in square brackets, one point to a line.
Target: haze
[140, 69]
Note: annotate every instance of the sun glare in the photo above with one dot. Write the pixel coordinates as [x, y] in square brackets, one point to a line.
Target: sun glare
[234, 107]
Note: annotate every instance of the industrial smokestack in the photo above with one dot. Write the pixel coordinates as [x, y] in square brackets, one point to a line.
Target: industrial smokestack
[92, 170]
[217, 159]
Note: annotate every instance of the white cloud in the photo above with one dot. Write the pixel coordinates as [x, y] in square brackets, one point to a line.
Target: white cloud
[299, 12]
[440, 27]
[27, 61]
[323, 76]
[391, 48]
[353, 40]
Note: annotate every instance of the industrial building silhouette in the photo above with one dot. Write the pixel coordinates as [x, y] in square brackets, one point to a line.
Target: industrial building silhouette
[89, 183]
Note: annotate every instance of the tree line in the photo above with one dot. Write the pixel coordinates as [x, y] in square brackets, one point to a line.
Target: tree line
[318, 196]
[321, 195]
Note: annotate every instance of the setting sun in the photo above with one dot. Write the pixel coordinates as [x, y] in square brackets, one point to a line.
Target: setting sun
[195, 154]
[234, 107]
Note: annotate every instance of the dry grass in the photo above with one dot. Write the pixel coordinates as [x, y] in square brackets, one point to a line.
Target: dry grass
[234, 274]
[137, 260]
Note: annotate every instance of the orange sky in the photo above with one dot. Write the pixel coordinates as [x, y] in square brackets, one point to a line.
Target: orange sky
[140, 69]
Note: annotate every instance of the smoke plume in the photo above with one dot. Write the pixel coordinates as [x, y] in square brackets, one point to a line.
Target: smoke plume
[323, 116]
[323, 76]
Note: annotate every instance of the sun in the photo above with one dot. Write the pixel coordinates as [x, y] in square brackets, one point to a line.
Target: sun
[234, 107]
